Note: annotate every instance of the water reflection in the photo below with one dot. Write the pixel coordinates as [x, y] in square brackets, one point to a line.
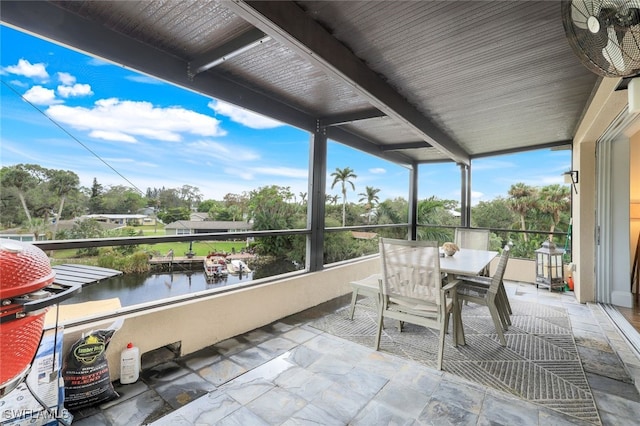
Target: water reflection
[133, 289]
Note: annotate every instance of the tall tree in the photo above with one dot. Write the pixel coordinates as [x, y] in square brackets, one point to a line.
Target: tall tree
[95, 198]
[62, 183]
[370, 195]
[238, 203]
[344, 176]
[522, 199]
[269, 210]
[554, 199]
[19, 178]
[122, 199]
[190, 195]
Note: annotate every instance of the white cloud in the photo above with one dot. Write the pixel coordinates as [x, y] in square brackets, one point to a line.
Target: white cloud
[222, 152]
[476, 197]
[282, 171]
[112, 136]
[39, 95]
[137, 163]
[144, 79]
[378, 171]
[19, 83]
[27, 69]
[277, 175]
[243, 116]
[97, 62]
[128, 120]
[66, 78]
[75, 90]
[242, 174]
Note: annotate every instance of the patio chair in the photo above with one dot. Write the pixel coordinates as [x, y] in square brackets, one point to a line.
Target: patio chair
[487, 291]
[477, 239]
[368, 287]
[472, 238]
[412, 290]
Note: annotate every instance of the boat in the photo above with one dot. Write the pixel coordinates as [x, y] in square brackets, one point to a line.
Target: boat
[237, 266]
[215, 266]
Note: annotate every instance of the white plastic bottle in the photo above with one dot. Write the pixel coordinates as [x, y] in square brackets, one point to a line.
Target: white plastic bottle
[129, 364]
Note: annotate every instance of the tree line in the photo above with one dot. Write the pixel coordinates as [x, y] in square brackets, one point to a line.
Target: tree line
[35, 198]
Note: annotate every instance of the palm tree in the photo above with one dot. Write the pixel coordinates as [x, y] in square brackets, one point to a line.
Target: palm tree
[38, 227]
[333, 199]
[554, 199]
[62, 183]
[371, 197]
[428, 214]
[343, 176]
[522, 199]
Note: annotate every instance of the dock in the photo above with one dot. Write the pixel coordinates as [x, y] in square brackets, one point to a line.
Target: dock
[193, 263]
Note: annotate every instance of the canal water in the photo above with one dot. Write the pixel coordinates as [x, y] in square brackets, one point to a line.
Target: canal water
[133, 289]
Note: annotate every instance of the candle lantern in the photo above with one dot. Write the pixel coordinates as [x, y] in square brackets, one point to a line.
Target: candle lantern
[549, 266]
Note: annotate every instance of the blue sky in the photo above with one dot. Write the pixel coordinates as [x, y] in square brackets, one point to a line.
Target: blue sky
[81, 112]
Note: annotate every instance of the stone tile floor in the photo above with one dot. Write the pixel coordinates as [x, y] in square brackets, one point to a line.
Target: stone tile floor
[289, 373]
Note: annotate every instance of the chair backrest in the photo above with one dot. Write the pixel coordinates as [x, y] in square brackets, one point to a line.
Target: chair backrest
[472, 238]
[499, 274]
[411, 269]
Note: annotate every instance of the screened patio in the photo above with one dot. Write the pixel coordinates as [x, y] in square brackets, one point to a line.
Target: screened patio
[410, 82]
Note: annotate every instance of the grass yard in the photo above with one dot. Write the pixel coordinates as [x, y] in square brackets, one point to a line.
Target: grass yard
[200, 248]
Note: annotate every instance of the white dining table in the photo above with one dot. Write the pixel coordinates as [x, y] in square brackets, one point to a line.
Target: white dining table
[464, 262]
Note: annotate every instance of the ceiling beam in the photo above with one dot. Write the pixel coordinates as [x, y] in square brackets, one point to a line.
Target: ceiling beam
[245, 41]
[548, 145]
[339, 119]
[46, 20]
[354, 141]
[406, 145]
[289, 24]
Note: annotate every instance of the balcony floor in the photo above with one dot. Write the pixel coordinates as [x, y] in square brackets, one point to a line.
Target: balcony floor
[293, 372]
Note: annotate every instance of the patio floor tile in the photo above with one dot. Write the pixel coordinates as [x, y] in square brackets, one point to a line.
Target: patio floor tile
[293, 373]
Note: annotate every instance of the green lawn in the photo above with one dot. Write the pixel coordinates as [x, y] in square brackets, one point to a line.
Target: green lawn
[200, 248]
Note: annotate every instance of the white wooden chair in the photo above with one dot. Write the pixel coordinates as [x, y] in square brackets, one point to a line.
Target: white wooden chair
[369, 286]
[472, 238]
[489, 291]
[411, 289]
[477, 239]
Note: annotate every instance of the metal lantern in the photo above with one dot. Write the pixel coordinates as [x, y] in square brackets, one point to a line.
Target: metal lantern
[549, 266]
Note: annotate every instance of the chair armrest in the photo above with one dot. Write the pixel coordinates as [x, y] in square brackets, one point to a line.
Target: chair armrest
[450, 289]
[476, 279]
[450, 286]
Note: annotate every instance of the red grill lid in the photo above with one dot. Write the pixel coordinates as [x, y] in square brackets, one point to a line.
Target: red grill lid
[24, 268]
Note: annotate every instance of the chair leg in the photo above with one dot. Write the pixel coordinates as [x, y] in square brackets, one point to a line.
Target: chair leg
[446, 321]
[503, 294]
[497, 322]
[380, 321]
[441, 345]
[354, 296]
[504, 309]
[458, 328]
